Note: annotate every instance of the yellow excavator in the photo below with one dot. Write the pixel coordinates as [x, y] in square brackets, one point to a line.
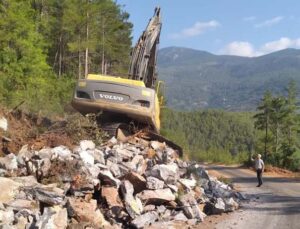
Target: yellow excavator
[132, 103]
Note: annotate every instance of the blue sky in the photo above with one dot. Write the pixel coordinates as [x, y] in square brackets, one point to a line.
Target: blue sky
[235, 27]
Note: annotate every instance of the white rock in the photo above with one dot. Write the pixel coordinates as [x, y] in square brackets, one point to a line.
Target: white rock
[87, 145]
[168, 173]
[99, 156]
[47, 153]
[9, 189]
[3, 124]
[24, 155]
[87, 158]
[9, 162]
[62, 152]
[158, 145]
[188, 183]
[6, 216]
[108, 179]
[53, 218]
[94, 171]
[113, 140]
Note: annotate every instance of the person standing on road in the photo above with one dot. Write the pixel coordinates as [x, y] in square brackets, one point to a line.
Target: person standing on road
[259, 167]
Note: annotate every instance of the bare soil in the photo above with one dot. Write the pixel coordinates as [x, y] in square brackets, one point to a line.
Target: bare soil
[37, 132]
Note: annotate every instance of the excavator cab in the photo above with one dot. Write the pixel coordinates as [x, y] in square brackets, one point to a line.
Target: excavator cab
[133, 100]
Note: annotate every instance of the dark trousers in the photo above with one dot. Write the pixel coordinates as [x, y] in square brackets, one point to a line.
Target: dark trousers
[259, 176]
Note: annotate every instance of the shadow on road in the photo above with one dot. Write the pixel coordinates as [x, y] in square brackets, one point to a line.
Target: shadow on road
[276, 204]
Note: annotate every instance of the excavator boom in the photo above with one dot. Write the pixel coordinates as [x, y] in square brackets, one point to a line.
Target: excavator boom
[144, 54]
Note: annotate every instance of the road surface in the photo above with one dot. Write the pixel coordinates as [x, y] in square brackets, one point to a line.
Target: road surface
[276, 204]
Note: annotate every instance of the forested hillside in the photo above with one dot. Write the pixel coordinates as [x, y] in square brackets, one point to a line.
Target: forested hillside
[211, 135]
[46, 45]
[222, 136]
[198, 79]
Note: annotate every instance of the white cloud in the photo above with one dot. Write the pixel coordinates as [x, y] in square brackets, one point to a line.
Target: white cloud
[270, 22]
[197, 29]
[244, 48]
[251, 18]
[239, 48]
[280, 44]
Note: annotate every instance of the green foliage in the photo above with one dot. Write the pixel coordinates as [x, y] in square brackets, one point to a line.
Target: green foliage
[211, 135]
[278, 117]
[42, 47]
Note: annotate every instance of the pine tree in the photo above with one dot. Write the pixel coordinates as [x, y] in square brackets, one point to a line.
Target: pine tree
[262, 119]
[22, 58]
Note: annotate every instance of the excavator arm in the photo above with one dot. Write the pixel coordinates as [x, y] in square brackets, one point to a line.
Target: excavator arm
[144, 54]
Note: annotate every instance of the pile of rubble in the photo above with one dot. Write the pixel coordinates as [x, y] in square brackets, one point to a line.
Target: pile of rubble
[136, 183]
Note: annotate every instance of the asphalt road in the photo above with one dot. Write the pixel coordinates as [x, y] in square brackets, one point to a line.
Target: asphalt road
[276, 204]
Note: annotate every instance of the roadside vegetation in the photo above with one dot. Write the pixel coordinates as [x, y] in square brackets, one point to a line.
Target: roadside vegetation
[46, 45]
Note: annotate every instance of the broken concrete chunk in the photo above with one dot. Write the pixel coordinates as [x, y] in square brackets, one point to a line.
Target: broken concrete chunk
[124, 154]
[53, 217]
[188, 183]
[138, 181]
[190, 207]
[47, 153]
[84, 211]
[219, 206]
[114, 168]
[20, 204]
[21, 222]
[230, 204]
[149, 207]
[87, 157]
[108, 179]
[111, 196]
[167, 173]
[161, 209]
[6, 217]
[24, 155]
[3, 172]
[133, 204]
[154, 183]
[9, 162]
[47, 194]
[87, 145]
[180, 217]
[62, 152]
[157, 145]
[138, 164]
[156, 197]
[198, 171]
[113, 141]
[94, 171]
[9, 189]
[44, 167]
[26, 180]
[145, 219]
[99, 156]
[215, 207]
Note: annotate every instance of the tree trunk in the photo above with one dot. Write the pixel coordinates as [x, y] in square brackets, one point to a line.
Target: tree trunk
[79, 65]
[266, 139]
[60, 56]
[86, 70]
[103, 56]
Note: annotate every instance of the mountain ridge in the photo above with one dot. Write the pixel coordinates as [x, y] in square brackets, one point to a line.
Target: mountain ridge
[198, 79]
